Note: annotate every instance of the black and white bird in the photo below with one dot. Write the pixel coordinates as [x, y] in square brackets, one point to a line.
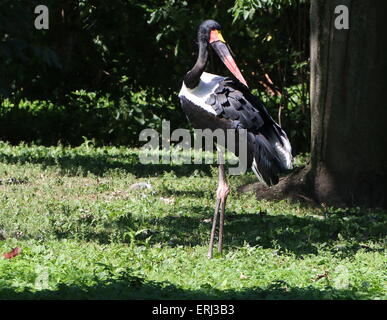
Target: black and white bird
[212, 102]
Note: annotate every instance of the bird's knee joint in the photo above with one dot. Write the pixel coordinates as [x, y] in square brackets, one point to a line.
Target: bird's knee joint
[222, 191]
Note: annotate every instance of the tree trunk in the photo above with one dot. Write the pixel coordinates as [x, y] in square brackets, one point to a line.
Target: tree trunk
[348, 103]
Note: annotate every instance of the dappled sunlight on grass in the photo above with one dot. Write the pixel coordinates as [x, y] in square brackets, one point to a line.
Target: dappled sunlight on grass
[76, 216]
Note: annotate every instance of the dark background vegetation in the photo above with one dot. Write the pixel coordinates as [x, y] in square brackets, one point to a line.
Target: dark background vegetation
[107, 69]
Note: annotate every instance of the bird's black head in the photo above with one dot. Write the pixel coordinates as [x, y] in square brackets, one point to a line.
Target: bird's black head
[209, 35]
[205, 29]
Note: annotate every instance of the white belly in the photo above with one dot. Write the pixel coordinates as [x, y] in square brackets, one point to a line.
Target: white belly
[199, 95]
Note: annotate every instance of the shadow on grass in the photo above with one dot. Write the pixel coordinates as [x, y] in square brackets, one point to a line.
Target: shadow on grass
[299, 235]
[342, 233]
[98, 164]
[136, 288]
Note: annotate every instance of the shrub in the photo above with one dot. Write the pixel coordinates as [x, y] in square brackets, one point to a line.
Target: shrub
[84, 115]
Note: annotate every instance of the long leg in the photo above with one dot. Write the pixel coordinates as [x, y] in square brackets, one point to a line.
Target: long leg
[221, 224]
[221, 196]
[223, 191]
[210, 249]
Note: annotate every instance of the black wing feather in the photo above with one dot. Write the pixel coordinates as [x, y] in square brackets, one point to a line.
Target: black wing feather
[233, 101]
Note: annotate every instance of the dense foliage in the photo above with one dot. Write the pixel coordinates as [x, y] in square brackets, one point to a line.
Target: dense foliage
[105, 70]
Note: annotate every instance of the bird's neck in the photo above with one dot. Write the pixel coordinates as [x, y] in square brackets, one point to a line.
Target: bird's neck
[192, 78]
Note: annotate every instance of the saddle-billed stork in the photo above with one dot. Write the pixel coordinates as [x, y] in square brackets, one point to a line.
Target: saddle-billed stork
[212, 102]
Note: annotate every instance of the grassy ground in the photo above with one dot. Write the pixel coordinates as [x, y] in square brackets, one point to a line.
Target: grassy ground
[86, 234]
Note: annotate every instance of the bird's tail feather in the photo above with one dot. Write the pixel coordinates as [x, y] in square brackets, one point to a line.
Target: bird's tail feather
[266, 163]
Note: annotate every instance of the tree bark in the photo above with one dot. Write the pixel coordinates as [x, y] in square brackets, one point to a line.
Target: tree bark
[348, 104]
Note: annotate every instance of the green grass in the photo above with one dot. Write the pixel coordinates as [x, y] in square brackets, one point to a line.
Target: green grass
[86, 234]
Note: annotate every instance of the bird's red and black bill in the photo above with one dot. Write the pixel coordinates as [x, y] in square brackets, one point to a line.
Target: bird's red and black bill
[217, 42]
